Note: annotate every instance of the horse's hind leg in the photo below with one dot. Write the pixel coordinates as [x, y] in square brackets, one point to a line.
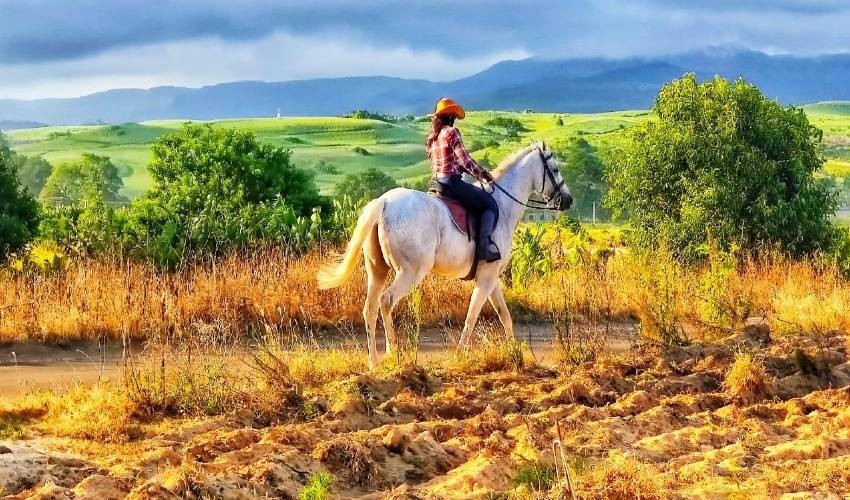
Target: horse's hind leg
[497, 300]
[484, 284]
[404, 282]
[377, 272]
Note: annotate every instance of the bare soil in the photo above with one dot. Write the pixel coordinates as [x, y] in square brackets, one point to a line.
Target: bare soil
[645, 423]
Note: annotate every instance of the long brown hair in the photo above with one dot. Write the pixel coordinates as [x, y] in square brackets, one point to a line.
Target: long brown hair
[437, 124]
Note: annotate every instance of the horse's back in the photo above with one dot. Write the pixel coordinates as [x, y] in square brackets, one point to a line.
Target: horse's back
[417, 227]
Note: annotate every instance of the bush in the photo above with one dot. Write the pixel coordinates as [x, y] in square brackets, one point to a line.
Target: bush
[362, 114]
[90, 176]
[511, 126]
[723, 160]
[219, 188]
[658, 299]
[584, 174]
[18, 210]
[33, 172]
[325, 168]
[318, 487]
[530, 259]
[366, 185]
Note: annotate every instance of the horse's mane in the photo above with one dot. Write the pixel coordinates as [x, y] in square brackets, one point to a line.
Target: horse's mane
[514, 157]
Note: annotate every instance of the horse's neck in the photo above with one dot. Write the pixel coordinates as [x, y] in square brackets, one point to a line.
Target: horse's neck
[516, 180]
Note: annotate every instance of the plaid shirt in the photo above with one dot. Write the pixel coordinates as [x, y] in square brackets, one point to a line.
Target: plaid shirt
[449, 156]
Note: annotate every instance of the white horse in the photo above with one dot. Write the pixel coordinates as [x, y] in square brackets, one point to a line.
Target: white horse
[412, 233]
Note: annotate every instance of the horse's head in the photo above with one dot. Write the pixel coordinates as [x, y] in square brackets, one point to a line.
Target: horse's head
[551, 183]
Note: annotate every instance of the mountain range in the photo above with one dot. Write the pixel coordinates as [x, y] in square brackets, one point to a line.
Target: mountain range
[563, 85]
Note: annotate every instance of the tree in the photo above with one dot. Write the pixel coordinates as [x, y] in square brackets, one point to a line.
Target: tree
[90, 176]
[215, 188]
[584, 174]
[203, 162]
[32, 171]
[365, 185]
[18, 209]
[511, 126]
[363, 114]
[721, 161]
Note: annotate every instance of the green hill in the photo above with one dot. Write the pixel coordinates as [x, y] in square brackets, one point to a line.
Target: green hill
[334, 147]
[829, 107]
[331, 147]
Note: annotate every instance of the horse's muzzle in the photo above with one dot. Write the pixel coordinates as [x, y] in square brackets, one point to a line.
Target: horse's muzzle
[566, 202]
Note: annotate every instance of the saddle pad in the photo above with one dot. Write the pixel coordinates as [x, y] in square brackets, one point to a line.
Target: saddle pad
[460, 217]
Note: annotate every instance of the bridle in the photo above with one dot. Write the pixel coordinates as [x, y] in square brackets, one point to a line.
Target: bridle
[548, 203]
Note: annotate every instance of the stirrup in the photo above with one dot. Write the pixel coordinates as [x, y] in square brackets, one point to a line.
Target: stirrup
[489, 252]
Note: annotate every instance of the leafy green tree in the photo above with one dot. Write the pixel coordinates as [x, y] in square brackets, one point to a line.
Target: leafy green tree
[204, 162]
[722, 161]
[18, 209]
[32, 171]
[584, 173]
[365, 185]
[90, 176]
[511, 127]
[363, 114]
[216, 188]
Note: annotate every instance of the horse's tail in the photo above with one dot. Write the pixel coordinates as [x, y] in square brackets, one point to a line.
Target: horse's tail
[334, 274]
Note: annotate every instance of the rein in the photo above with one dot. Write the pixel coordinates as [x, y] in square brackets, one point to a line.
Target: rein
[546, 204]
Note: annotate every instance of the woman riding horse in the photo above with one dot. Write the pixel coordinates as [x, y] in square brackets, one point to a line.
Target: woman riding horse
[449, 159]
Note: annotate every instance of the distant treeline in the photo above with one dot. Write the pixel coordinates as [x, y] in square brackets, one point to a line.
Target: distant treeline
[362, 114]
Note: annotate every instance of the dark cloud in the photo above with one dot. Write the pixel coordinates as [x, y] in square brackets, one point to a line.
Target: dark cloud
[43, 30]
[50, 30]
[71, 47]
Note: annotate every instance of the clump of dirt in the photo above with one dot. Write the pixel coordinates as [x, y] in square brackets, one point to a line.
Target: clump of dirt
[752, 415]
[349, 458]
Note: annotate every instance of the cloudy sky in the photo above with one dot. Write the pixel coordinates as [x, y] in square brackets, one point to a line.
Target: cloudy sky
[56, 48]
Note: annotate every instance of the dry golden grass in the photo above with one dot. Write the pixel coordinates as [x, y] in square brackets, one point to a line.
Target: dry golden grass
[491, 355]
[746, 379]
[620, 477]
[271, 292]
[271, 383]
[824, 476]
[230, 298]
[308, 367]
[98, 413]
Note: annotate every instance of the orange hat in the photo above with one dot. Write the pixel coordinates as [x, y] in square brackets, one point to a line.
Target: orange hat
[446, 106]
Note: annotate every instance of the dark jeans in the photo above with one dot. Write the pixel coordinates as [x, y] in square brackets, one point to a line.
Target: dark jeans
[477, 200]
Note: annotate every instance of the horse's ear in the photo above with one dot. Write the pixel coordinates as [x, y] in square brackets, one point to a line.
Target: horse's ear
[543, 143]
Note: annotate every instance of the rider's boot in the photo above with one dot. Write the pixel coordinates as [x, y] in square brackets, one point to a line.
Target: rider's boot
[487, 249]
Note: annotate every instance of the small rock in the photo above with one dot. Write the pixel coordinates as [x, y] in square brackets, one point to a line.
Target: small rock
[4, 450]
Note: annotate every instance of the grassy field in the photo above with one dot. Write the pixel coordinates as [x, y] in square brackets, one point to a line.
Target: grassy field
[396, 148]
[327, 145]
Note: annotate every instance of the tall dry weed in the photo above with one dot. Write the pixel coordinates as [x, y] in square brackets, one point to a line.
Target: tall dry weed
[269, 291]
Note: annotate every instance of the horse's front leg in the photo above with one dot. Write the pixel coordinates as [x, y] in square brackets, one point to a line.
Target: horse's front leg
[497, 300]
[483, 288]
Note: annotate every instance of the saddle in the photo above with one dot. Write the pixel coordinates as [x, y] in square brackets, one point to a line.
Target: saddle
[465, 222]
